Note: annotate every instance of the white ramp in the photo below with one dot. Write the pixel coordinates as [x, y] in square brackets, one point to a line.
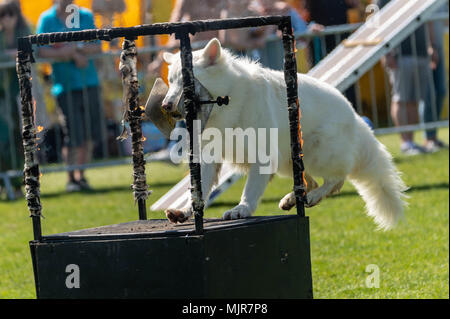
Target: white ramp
[179, 195]
[341, 68]
[384, 31]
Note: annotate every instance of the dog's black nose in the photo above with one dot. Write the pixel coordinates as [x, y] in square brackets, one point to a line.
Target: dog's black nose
[167, 106]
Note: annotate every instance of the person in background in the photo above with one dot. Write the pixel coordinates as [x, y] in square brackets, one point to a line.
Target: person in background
[12, 26]
[106, 10]
[330, 13]
[432, 143]
[410, 77]
[186, 10]
[270, 55]
[240, 41]
[75, 85]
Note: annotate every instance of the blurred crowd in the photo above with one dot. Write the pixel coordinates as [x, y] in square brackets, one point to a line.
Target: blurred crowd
[76, 79]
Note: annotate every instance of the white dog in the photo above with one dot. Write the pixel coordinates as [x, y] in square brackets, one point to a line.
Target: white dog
[338, 144]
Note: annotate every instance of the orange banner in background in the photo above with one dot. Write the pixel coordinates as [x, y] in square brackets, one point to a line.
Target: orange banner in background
[32, 9]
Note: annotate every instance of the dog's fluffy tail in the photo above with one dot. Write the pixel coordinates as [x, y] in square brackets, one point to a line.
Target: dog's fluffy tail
[378, 181]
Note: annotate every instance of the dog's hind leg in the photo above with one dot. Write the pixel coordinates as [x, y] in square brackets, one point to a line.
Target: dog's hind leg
[310, 183]
[329, 186]
[336, 189]
[288, 201]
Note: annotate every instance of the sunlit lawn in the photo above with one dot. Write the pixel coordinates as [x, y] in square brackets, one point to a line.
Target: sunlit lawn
[413, 258]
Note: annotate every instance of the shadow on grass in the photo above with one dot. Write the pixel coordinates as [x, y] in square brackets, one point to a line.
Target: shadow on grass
[418, 158]
[267, 200]
[104, 190]
[270, 200]
[411, 189]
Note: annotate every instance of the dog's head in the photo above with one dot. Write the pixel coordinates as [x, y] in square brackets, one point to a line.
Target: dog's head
[165, 105]
[203, 60]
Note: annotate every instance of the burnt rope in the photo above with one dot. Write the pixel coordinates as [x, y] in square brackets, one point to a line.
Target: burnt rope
[290, 76]
[192, 105]
[153, 29]
[31, 167]
[133, 115]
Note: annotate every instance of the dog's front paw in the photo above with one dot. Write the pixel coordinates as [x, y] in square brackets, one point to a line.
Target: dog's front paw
[240, 211]
[287, 202]
[178, 215]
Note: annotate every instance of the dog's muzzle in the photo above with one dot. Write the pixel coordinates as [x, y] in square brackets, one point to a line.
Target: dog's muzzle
[163, 119]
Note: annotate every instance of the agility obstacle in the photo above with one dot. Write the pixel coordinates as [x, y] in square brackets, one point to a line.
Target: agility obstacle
[266, 257]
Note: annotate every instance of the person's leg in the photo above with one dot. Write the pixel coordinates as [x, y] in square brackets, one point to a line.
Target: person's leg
[64, 102]
[81, 159]
[91, 130]
[405, 97]
[402, 114]
[440, 89]
[405, 113]
[71, 104]
[412, 117]
[97, 137]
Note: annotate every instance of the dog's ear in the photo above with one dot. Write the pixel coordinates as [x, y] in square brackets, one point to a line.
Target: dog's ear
[212, 52]
[168, 57]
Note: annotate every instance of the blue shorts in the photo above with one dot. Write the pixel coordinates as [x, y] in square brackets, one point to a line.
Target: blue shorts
[411, 79]
[82, 115]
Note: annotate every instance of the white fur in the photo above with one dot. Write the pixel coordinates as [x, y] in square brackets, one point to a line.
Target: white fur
[337, 142]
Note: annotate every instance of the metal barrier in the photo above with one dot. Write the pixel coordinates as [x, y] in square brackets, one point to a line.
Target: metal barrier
[370, 96]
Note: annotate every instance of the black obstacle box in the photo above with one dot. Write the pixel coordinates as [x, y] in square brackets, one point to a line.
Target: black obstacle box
[257, 257]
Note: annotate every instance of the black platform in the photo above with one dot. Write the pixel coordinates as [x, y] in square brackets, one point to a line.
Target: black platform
[258, 257]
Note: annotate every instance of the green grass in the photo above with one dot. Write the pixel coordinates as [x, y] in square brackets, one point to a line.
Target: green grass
[413, 258]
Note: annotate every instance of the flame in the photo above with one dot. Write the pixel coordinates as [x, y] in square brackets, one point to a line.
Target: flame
[40, 128]
[300, 135]
[144, 138]
[295, 43]
[34, 108]
[142, 107]
[300, 138]
[40, 175]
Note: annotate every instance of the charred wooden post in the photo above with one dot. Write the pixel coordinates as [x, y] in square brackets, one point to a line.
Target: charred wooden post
[31, 166]
[133, 115]
[191, 106]
[155, 29]
[290, 76]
